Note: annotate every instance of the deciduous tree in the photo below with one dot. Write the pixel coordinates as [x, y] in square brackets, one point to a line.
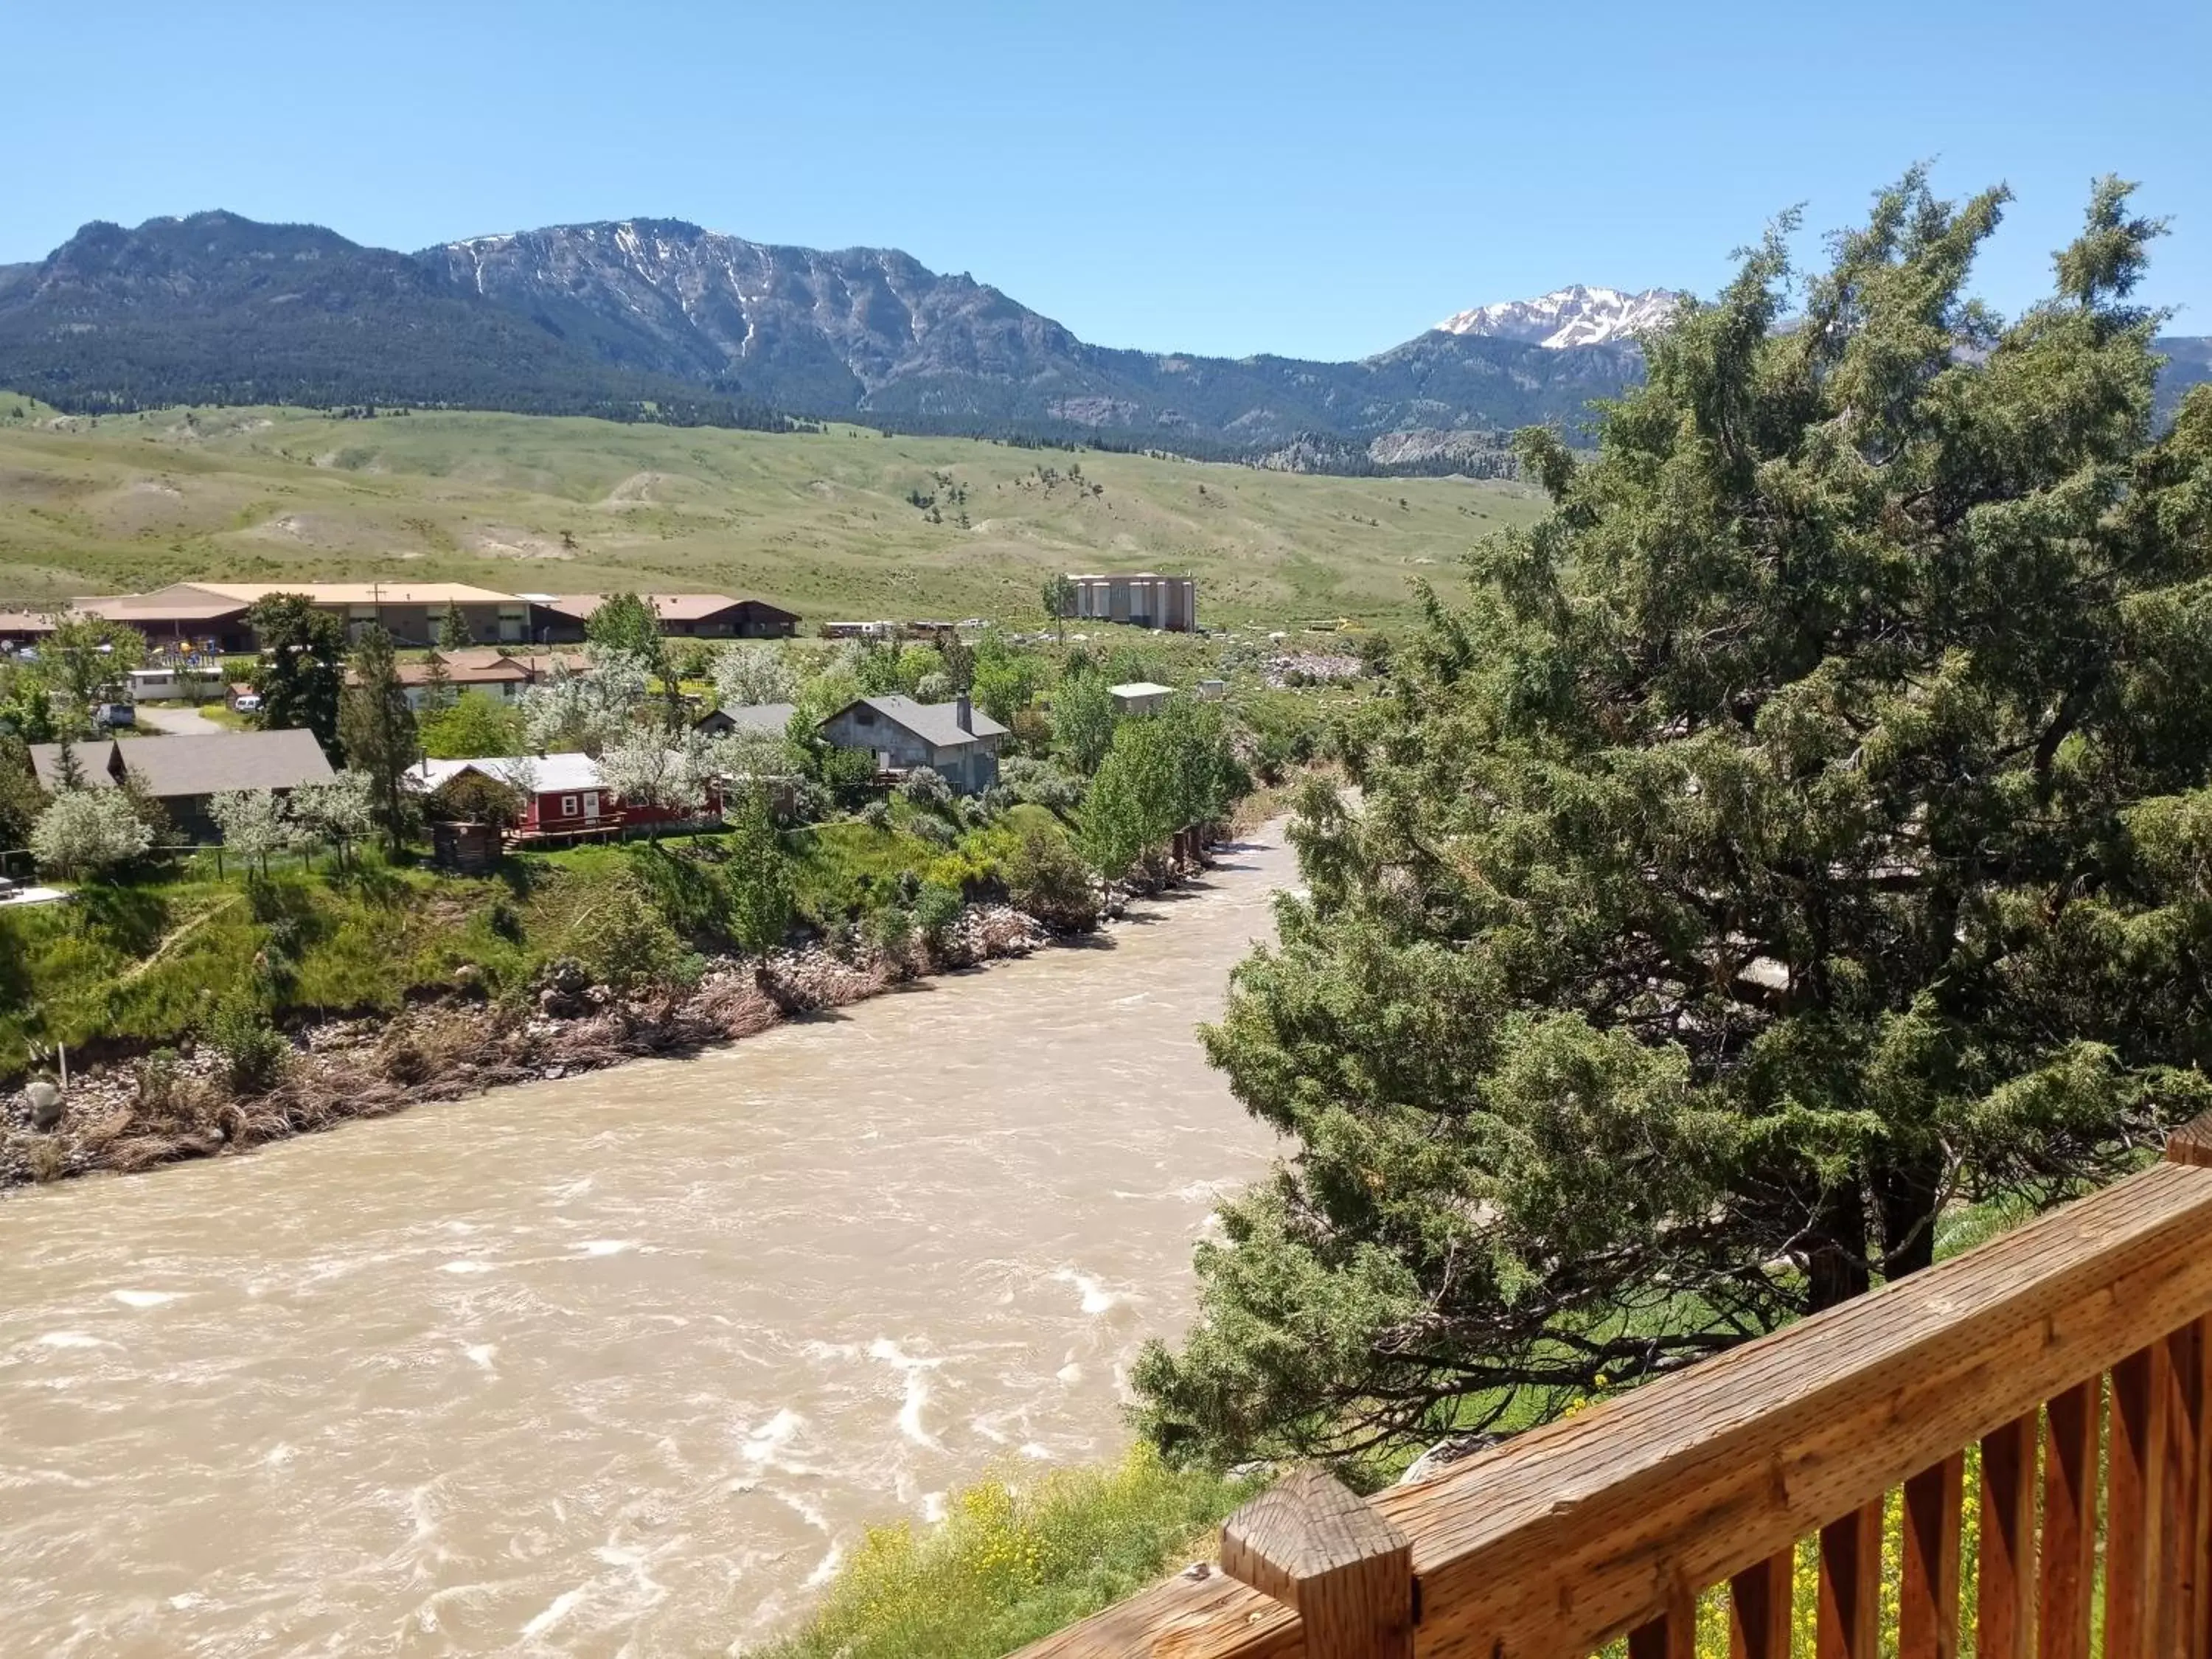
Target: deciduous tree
[83, 831]
[1083, 716]
[750, 674]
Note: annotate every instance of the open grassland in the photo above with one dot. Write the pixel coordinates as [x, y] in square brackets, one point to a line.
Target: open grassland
[822, 523]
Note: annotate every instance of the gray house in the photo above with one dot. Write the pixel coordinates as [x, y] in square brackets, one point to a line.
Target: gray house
[181, 773]
[950, 738]
[772, 719]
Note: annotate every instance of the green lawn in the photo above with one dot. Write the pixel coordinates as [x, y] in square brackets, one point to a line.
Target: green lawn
[819, 522]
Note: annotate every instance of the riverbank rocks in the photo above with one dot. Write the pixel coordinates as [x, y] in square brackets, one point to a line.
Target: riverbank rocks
[464, 1043]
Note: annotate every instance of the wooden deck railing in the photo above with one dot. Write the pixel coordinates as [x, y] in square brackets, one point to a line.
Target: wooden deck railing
[1612, 1523]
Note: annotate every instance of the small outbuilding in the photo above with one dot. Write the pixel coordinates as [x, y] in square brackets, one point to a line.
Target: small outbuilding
[1140, 698]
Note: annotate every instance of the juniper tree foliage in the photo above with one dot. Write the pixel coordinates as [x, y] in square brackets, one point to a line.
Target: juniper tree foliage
[377, 730]
[1804, 826]
[302, 666]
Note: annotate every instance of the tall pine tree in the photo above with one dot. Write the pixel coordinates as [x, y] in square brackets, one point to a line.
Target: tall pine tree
[377, 728]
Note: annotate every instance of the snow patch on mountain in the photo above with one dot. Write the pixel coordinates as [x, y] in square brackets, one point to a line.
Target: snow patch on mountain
[1575, 316]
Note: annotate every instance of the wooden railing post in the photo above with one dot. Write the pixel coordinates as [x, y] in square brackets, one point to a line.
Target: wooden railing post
[1316, 1547]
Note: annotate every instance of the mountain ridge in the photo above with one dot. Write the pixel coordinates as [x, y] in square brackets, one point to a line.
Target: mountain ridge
[663, 318]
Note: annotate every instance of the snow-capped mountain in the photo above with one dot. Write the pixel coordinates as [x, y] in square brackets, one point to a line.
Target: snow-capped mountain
[1575, 316]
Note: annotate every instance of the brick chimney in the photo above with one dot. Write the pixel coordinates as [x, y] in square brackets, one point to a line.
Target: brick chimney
[964, 712]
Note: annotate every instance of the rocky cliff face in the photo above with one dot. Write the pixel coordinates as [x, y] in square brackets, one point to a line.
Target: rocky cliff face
[828, 329]
[873, 332]
[217, 308]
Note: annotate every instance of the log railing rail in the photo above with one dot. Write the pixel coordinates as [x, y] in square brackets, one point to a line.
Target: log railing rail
[2072, 1352]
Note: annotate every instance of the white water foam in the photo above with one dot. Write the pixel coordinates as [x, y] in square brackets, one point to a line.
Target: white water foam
[764, 1446]
[70, 1340]
[144, 1298]
[560, 1609]
[1097, 1298]
[917, 1390]
[826, 1567]
[465, 1267]
[607, 1246]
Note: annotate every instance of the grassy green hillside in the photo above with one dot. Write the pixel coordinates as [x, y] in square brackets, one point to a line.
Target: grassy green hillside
[821, 523]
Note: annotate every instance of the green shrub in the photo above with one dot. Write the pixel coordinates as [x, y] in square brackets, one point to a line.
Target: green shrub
[1046, 877]
[1009, 1566]
[937, 909]
[253, 1053]
[893, 928]
[620, 939]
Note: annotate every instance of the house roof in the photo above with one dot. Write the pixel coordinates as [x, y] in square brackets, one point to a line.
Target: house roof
[669, 607]
[460, 673]
[551, 773]
[179, 602]
[20, 624]
[773, 718]
[171, 767]
[937, 724]
[481, 656]
[364, 592]
[1139, 688]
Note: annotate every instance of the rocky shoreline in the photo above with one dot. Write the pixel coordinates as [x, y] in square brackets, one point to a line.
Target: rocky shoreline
[129, 1115]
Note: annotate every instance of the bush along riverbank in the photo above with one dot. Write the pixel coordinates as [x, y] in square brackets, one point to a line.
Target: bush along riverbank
[204, 1017]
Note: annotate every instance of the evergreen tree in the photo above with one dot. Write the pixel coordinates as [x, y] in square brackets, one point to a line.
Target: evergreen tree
[302, 665]
[20, 797]
[377, 728]
[453, 629]
[1803, 827]
[437, 684]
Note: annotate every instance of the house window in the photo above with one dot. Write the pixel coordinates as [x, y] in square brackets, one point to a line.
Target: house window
[864, 717]
[568, 806]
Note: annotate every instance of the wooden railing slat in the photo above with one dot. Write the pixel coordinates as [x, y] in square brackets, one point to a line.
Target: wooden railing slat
[1759, 1607]
[2185, 1622]
[1849, 1620]
[1928, 1596]
[2134, 1504]
[2070, 1520]
[2005, 1622]
[1563, 1535]
[1566, 1539]
[1672, 1635]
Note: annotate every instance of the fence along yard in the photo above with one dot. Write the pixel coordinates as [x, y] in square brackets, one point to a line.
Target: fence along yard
[1611, 1523]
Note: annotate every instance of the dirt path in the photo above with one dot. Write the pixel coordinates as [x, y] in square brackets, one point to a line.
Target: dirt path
[175, 720]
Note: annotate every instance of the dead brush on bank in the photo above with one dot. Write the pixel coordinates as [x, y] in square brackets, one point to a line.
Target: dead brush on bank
[732, 1008]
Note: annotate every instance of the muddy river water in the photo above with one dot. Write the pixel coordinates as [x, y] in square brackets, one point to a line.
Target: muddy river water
[617, 1365]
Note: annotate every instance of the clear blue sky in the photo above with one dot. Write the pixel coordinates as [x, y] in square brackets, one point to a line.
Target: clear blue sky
[1318, 180]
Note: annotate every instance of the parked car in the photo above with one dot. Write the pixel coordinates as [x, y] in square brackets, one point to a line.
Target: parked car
[247, 704]
[110, 715]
